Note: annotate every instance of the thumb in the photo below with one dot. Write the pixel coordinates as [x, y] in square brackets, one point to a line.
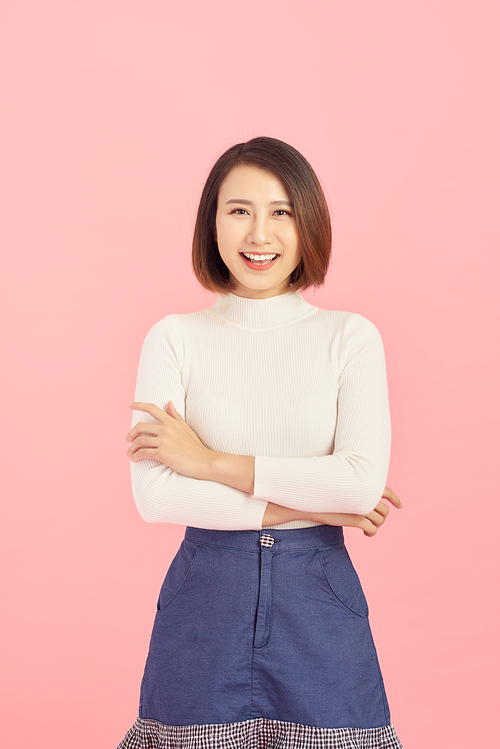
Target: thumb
[172, 412]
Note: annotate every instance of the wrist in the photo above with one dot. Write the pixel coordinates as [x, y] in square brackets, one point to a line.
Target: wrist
[277, 514]
[205, 465]
[233, 470]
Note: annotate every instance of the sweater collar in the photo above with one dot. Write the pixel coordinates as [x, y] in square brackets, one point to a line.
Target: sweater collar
[261, 313]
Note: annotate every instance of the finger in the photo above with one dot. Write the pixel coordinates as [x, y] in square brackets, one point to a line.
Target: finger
[155, 411]
[378, 516]
[172, 412]
[382, 509]
[392, 497]
[145, 454]
[368, 528]
[142, 428]
[142, 442]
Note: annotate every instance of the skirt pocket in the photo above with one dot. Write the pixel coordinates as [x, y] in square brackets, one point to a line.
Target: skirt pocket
[178, 573]
[343, 579]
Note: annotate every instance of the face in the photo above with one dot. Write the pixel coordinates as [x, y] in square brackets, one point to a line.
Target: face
[256, 232]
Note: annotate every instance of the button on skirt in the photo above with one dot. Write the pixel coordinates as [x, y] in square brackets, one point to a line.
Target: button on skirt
[261, 639]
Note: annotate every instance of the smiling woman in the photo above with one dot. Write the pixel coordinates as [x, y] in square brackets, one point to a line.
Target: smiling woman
[263, 425]
[256, 232]
[276, 172]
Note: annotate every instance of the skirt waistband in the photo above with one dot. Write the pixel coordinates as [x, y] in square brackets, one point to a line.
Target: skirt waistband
[296, 538]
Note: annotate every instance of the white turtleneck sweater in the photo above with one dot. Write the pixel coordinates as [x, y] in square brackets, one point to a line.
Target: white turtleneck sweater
[301, 389]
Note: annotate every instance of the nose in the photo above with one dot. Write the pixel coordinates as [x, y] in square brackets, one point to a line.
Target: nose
[260, 232]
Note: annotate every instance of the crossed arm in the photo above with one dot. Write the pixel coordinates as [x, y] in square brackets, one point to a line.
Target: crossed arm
[171, 441]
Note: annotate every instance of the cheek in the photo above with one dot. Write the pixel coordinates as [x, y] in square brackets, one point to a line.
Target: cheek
[226, 233]
[293, 242]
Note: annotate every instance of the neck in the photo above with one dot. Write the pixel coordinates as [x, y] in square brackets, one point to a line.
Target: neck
[269, 312]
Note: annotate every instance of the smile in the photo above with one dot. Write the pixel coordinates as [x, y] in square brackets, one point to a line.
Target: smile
[259, 261]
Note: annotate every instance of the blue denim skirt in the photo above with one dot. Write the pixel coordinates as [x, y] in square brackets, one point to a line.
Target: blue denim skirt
[262, 639]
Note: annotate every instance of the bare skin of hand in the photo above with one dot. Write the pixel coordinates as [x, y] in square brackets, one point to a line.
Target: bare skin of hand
[172, 442]
[369, 524]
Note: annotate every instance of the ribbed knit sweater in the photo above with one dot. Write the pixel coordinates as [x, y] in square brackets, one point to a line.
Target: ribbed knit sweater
[301, 389]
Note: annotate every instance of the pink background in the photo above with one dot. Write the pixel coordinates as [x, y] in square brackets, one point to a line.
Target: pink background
[113, 112]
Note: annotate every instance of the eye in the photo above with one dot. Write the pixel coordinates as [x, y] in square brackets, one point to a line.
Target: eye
[238, 211]
[283, 212]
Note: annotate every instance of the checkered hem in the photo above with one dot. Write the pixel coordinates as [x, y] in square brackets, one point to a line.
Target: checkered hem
[259, 733]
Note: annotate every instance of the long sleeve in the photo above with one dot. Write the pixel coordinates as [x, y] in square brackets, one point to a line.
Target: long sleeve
[352, 478]
[162, 495]
[301, 389]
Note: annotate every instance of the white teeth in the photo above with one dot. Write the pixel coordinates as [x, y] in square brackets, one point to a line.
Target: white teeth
[249, 256]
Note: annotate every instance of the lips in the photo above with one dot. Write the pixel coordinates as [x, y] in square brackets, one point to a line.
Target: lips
[259, 260]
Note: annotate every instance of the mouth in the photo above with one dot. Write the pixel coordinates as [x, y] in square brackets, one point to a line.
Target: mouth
[259, 260]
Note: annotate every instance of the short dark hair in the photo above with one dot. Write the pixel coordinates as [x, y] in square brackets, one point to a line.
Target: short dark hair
[311, 212]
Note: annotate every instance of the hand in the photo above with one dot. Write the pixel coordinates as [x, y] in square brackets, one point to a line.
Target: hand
[171, 441]
[370, 523]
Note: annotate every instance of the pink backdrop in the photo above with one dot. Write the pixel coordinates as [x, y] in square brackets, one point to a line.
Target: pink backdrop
[113, 111]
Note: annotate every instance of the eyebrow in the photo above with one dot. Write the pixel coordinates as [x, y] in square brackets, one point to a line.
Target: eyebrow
[249, 202]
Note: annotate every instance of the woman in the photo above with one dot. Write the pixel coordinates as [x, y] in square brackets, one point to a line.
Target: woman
[263, 425]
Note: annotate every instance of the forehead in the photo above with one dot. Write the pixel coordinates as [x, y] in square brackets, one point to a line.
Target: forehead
[248, 182]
